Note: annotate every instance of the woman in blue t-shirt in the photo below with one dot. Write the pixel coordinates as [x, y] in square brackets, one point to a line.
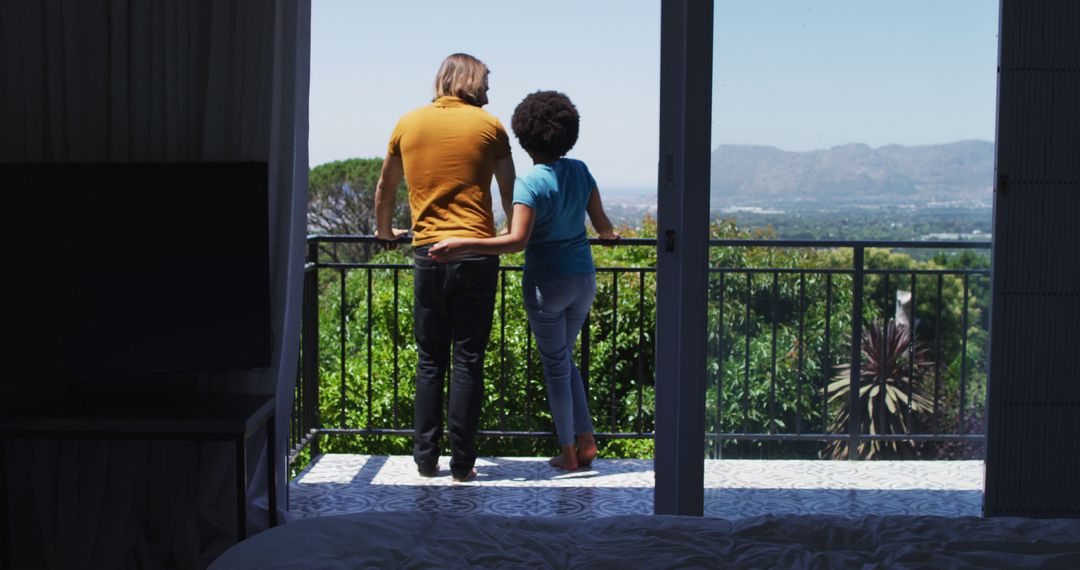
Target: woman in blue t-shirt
[548, 222]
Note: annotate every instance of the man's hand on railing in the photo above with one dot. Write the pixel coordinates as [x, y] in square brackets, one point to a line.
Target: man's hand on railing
[390, 237]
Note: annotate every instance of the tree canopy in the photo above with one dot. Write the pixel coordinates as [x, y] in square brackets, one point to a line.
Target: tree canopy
[341, 197]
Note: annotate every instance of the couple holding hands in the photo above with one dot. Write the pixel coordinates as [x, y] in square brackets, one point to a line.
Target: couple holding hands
[448, 152]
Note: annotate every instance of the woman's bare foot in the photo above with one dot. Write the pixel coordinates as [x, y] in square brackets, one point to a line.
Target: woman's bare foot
[566, 460]
[586, 449]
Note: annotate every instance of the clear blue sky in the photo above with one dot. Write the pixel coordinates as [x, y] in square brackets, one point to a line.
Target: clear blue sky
[797, 75]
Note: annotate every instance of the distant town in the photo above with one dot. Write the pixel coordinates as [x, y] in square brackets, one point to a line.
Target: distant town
[886, 222]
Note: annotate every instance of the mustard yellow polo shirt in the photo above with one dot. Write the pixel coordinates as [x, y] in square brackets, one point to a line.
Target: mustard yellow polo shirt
[448, 150]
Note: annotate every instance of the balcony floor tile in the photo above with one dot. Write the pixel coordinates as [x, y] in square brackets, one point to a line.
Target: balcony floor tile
[522, 486]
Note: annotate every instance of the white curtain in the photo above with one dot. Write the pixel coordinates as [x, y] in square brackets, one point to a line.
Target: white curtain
[159, 80]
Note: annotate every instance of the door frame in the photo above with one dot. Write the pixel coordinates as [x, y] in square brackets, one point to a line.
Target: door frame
[686, 49]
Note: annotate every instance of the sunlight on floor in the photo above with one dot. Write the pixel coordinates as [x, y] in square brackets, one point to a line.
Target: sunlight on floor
[338, 484]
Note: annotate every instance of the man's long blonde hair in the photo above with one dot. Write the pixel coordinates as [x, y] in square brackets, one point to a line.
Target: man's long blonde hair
[463, 76]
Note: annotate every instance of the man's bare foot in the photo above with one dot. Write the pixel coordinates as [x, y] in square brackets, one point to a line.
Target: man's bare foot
[586, 449]
[566, 460]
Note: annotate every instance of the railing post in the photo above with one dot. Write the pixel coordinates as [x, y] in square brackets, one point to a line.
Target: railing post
[310, 325]
[854, 409]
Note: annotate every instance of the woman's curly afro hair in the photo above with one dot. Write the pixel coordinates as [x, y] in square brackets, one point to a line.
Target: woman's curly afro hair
[546, 124]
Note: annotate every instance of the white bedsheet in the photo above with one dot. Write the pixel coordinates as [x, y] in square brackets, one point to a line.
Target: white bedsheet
[432, 540]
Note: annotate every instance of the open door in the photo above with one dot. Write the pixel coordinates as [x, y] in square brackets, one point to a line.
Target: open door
[1034, 392]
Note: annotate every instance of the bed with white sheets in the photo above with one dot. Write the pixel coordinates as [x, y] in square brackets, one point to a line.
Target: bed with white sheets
[438, 540]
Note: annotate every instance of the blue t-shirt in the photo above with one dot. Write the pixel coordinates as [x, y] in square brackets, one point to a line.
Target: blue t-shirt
[558, 193]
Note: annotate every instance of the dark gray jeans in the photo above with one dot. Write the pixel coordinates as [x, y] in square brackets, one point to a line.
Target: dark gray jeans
[452, 307]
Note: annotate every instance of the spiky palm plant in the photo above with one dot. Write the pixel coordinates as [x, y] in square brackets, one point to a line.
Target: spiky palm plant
[891, 391]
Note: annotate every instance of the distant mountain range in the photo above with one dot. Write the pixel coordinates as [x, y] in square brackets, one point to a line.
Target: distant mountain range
[955, 174]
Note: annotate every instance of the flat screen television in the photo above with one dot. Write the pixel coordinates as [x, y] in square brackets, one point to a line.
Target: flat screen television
[133, 270]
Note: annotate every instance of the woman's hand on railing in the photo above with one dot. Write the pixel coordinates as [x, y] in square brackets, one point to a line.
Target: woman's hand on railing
[609, 235]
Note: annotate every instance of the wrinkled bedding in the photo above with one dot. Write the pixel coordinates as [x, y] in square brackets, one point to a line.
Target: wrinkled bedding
[427, 540]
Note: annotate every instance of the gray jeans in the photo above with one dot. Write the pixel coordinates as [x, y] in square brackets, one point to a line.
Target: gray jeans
[557, 308]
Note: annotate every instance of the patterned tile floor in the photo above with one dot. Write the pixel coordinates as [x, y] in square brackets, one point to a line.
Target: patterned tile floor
[339, 484]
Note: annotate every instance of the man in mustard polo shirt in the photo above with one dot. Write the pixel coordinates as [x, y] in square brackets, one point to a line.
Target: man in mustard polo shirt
[447, 153]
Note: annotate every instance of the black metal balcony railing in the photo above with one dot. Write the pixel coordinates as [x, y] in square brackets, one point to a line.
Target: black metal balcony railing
[779, 395]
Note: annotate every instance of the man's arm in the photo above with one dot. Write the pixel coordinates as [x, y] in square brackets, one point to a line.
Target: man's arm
[504, 176]
[385, 195]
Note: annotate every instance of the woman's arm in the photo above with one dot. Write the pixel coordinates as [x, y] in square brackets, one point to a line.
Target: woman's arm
[521, 227]
[599, 219]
